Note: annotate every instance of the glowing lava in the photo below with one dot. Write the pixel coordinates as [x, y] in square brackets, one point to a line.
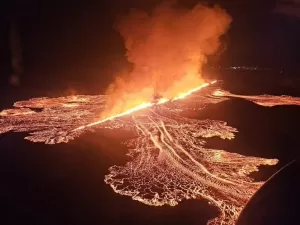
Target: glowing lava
[263, 100]
[170, 161]
[145, 105]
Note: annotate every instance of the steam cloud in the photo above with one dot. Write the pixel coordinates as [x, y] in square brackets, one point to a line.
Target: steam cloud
[167, 48]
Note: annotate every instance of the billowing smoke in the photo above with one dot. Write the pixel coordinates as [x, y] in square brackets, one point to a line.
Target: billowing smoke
[167, 48]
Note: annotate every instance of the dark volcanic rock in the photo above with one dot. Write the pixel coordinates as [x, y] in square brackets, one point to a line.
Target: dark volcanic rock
[277, 202]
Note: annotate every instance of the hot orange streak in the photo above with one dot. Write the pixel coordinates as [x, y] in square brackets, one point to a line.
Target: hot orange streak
[146, 105]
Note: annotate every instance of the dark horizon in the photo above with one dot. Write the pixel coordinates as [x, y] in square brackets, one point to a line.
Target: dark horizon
[78, 39]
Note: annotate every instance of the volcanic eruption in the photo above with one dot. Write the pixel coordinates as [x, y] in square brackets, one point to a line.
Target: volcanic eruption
[169, 159]
[167, 49]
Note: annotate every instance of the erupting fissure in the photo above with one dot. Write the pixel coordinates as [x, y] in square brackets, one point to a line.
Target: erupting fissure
[167, 49]
[146, 105]
[169, 157]
[170, 161]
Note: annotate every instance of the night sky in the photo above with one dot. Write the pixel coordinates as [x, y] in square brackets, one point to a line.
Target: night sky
[77, 38]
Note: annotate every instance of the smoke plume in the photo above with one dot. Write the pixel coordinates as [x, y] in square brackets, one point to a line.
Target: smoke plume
[167, 49]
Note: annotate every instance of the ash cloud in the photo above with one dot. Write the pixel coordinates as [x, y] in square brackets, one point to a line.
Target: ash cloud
[167, 48]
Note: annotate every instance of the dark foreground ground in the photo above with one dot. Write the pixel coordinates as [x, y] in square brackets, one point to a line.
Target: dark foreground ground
[63, 184]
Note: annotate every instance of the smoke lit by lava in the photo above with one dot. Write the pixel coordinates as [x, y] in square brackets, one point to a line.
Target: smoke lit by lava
[167, 49]
[169, 157]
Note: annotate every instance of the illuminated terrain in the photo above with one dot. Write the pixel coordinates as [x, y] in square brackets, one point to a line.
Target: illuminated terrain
[169, 158]
[263, 100]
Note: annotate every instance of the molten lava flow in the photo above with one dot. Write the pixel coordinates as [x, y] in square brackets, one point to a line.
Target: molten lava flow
[263, 100]
[145, 105]
[170, 159]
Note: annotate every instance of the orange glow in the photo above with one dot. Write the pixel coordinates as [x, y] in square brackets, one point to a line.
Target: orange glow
[167, 48]
[183, 95]
[134, 109]
[16, 112]
[170, 159]
[145, 105]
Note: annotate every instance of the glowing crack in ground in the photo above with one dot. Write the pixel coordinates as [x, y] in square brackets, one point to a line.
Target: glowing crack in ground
[169, 159]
